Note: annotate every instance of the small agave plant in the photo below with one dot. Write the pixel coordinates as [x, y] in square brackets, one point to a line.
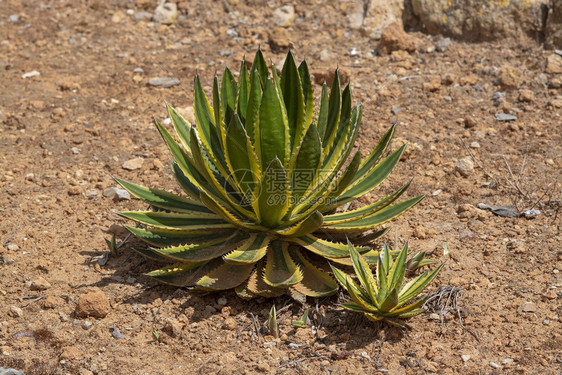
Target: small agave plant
[384, 296]
[263, 178]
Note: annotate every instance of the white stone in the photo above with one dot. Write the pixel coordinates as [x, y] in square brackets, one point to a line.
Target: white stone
[284, 16]
[165, 13]
[33, 73]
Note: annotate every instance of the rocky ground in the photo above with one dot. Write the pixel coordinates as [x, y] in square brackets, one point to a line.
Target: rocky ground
[78, 95]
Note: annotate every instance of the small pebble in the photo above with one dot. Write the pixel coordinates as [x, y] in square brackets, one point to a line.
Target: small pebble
[494, 365]
[138, 70]
[164, 82]
[222, 301]
[447, 98]
[505, 117]
[546, 322]
[9, 371]
[92, 193]
[465, 357]
[16, 312]
[465, 167]
[507, 360]
[33, 73]
[86, 324]
[436, 192]
[529, 307]
[133, 164]
[116, 193]
[75, 323]
[13, 247]
[442, 45]
[529, 214]
[14, 18]
[475, 145]
[116, 334]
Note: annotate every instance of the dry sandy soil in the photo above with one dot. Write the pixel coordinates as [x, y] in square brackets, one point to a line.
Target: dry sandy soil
[66, 131]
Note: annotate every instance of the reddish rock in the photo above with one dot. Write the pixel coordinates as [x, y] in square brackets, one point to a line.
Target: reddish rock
[70, 353]
[39, 284]
[394, 38]
[280, 39]
[50, 302]
[94, 303]
[434, 84]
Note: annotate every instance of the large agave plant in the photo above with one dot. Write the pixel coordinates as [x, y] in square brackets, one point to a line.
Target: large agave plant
[263, 179]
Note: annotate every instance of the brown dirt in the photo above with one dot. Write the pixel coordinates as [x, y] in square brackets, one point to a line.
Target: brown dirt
[65, 132]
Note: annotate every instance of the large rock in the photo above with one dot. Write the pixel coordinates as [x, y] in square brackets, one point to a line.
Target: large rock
[394, 38]
[554, 25]
[93, 303]
[482, 20]
[373, 16]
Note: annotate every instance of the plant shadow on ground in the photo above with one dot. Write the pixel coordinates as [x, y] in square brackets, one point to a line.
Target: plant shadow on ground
[332, 324]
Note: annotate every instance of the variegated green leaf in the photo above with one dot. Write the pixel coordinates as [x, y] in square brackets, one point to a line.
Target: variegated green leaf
[252, 250]
[363, 272]
[205, 121]
[243, 91]
[308, 93]
[322, 247]
[376, 219]
[229, 91]
[365, 304]
[257, 286]
[184, 274]
[303, 227]
[376, 153]
[371, 179]
[322, 120]
[163, 199]
[181, 126]
[307, 160]
[390, 301]
[168, 237]
[218, 191]
[272, 133]
[187, 186]
[260, 66]
[352, 306]
[171, 220]
[274, 195]
[334, 110]
[254, 102]
[225, 276]
[342, 127]
[417, 285]
[214, 205]
[280, 269]
[203, 251]
[360, 213]
[149, 254]
[315, 282]
[241, 159]
[398, 269]
[397, 312]
[293, 97]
